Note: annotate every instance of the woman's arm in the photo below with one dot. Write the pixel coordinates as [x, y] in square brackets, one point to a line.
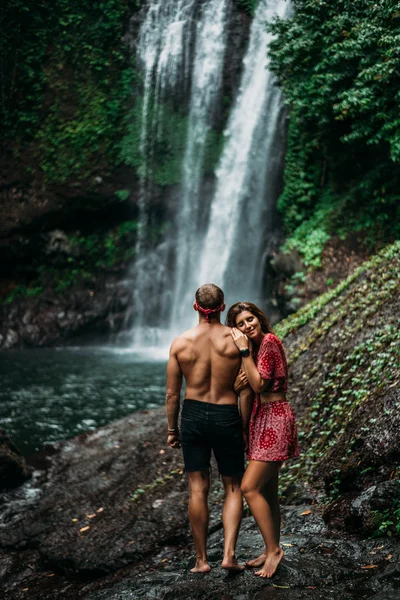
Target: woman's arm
[246, 400]
[258, 384]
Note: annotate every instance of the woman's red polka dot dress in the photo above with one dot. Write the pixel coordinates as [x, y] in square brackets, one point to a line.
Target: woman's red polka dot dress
[273, 431]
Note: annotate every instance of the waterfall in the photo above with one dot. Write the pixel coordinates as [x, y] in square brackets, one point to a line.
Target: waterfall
[231, 252]
[231, 255]
[163, 54]
[181, 50]
[206, 84]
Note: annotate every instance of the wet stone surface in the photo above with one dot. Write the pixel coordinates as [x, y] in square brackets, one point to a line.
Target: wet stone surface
[104, 517]
[315, 566]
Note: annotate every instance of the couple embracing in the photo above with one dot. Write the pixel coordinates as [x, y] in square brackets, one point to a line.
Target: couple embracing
[219, 364]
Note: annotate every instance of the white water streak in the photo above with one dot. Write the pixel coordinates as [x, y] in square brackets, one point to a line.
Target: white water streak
[206, 86]
[242, 162]
[163, 54]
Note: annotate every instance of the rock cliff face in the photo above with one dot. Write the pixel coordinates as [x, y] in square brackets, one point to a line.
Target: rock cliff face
[105, 514]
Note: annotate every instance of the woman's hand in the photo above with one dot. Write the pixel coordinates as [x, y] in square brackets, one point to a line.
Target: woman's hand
[241, 340]
[241, 382]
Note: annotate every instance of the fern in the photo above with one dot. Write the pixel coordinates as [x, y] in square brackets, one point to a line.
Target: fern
[249, 6]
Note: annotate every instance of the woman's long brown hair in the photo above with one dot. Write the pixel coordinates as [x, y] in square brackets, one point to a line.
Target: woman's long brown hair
[239, 307]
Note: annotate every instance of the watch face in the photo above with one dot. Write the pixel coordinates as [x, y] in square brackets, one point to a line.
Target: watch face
[245, 352]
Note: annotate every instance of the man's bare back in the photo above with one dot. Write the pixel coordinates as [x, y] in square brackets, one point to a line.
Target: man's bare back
[209, 362]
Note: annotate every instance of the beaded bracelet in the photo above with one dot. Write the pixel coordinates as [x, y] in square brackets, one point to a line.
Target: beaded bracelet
[173, 431]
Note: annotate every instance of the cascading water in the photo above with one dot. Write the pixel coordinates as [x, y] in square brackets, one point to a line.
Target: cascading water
[206, 84]
[231, 252]
[228, 250]
[163, 53]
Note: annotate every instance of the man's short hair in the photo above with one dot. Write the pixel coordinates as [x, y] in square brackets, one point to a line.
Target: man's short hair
[209, 296]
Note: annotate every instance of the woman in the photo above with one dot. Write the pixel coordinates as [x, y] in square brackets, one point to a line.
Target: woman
[272, 430]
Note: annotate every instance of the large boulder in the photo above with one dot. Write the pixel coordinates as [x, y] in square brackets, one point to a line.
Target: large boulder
[13, 467]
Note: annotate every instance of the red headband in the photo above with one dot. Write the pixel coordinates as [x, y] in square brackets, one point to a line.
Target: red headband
[208, 311]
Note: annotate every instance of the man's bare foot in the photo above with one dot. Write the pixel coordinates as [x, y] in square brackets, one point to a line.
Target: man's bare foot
[271, 563]
[231, 564]
[201, 566]
[257, 562]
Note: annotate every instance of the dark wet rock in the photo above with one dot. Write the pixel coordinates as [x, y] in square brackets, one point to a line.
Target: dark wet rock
[53, 318]
[364, 476]
[314, 567]
[105, 517]
[13, 467]
[89, 484]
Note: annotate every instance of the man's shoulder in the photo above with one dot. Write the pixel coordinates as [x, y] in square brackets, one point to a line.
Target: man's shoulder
[181, 341]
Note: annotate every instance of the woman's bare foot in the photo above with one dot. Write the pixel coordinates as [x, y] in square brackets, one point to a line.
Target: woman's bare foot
[271, 563]
[231, 564]
[257, 562]
[201, 566]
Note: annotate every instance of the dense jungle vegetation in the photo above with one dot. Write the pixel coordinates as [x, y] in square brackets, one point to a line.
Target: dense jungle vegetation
[66, 82]
[339, 66]
[70, 93]
[69, 108]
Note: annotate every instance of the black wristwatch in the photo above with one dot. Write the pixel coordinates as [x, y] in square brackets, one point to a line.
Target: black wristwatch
[244, 352]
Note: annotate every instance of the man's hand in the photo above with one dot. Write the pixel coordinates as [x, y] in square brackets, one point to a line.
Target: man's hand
[241, 382]
[173, 441]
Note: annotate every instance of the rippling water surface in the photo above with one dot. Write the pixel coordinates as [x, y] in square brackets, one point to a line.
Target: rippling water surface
[49, 395]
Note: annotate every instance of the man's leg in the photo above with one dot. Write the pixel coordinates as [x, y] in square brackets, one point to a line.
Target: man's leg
[231, 518]
[264, 509]
[199, 485]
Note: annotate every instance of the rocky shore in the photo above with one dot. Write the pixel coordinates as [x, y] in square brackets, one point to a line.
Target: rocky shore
[103, 516]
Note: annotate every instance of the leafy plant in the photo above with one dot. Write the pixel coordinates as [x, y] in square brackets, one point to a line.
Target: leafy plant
[338, 64]
[248, 6]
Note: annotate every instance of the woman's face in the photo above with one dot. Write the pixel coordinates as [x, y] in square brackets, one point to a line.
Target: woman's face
[249, 324]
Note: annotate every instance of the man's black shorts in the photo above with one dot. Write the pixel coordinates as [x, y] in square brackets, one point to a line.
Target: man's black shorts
[205, 427]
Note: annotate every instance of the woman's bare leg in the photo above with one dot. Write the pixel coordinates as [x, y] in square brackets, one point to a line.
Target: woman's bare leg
[270, 493]
[260, 487]
[231, 518]
[199, 485]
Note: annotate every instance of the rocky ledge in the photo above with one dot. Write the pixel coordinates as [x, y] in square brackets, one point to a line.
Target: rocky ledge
[104, 517]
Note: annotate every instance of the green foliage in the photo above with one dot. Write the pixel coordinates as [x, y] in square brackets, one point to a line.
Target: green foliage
[154, 485]
[338, 64]
[168, 128]
[122, 195]
[23, 291]
[361, 372]
[387, 522]
[335, 298]
[99, 250]
[66, 82]
[90, 255]
[249, 6]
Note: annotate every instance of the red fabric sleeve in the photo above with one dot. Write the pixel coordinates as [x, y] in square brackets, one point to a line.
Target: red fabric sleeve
[270, 362]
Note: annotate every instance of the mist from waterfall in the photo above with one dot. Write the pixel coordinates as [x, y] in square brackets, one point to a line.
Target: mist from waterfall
[181, 50]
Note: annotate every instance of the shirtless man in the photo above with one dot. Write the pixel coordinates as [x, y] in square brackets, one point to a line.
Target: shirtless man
[209, 361]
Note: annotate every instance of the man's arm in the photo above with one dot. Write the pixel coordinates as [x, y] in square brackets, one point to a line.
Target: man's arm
[172, 398]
